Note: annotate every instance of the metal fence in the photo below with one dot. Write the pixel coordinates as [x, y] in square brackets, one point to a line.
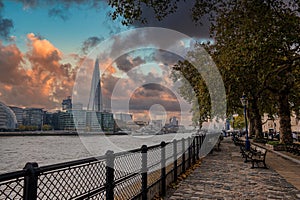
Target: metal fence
[136, 174]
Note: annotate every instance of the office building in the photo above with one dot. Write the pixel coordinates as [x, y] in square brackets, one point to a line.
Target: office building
[8, 120]
[33, 117]
[19, 114]
[67, 103]
[125, 117]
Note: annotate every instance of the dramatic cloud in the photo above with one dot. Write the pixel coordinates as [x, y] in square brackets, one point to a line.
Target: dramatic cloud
[11, 60]
[126, 63]
[37, 78]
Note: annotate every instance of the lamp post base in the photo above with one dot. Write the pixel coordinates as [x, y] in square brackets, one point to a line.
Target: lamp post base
[247, 145]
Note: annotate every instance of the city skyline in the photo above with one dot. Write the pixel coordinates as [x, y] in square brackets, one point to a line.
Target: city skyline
[42, 54]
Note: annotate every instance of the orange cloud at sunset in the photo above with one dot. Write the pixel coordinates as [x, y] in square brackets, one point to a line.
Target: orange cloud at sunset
[36, 78]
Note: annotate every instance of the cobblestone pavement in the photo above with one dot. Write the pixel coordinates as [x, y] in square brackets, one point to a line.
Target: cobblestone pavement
[224, 175]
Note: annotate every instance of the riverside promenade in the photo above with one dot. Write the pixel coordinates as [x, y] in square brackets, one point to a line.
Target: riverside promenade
[224, 175]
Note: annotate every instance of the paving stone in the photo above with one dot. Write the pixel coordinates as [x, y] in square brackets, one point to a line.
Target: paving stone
[223, 175]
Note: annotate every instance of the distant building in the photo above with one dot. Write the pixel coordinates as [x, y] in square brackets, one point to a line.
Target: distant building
[173, 121]
[55, 120]
[33, 117]
[66, 121]
[273, 124]
[141, 123]
[19, 114]
[107, 121]
[125, 117]
[67, 104]
[8, 120]
[157, 123]
[99, 121]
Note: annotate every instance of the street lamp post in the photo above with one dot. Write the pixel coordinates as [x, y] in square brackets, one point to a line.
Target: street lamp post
[244, 101]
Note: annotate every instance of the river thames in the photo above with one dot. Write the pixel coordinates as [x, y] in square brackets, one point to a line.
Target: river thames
[16, 151]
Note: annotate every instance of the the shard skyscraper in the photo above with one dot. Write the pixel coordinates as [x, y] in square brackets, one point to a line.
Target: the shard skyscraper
[95, 100]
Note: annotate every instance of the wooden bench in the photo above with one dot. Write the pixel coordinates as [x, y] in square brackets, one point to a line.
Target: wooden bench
[237, 141]
[255, 155]
[259, 156]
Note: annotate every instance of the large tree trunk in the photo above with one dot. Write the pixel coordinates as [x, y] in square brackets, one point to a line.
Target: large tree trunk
[251, 124]
[256, 119]
[284, 119]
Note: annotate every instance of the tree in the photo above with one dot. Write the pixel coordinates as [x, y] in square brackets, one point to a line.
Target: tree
[257, 54]
[201, 85]
[256, 49]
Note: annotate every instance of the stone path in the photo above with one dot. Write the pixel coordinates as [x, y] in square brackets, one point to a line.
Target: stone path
[224, 175]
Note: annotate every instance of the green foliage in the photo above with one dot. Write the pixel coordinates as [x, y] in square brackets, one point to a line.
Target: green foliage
[238, 122]
[274, 143]
[46, 127]
[27, 128]
[202, 85]
[132, 10]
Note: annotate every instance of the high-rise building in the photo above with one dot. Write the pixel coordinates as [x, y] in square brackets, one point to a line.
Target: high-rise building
[19, 114]
[67, 103]
[95, 100]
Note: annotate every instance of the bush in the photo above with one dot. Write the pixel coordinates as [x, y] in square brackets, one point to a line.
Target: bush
[274, 143]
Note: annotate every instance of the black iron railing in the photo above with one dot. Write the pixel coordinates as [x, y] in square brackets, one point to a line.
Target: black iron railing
[136, 174]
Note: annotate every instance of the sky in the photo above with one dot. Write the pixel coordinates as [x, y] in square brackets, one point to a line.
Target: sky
[45, 44]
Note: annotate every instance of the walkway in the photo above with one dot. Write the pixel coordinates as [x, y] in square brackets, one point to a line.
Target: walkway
[224, 175]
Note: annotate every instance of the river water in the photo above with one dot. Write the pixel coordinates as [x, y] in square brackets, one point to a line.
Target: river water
[16, 151]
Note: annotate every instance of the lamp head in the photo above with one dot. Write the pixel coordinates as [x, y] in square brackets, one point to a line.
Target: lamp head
[244, 100]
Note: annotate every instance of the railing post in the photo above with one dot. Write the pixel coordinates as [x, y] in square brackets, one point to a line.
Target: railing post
[144, 151]
[31, 181]
[194, 150]
[163, 168]
[175, 159]
[190, 152]
[198, 146]
[110, 182]
[183, 155]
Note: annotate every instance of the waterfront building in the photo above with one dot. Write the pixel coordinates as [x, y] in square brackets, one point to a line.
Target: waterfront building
[8, 120]
[99, 121]
[66, 121]
[125, 117]
[80, 120]
[67, 103]
[107, 121]
[157, 123]
[55, 120]
[141, 123]
[19, 114]
[173, 121]
[33, 117]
